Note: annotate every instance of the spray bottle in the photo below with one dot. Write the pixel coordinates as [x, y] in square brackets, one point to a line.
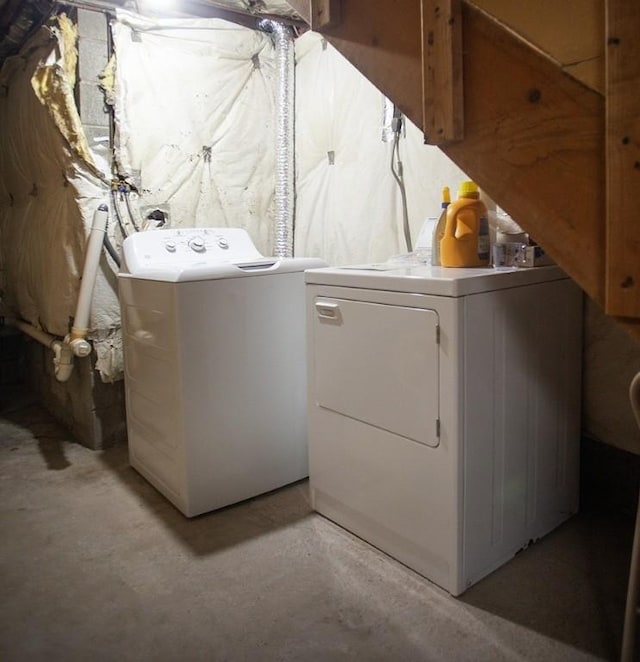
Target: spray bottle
[466, 242]
[438, 229]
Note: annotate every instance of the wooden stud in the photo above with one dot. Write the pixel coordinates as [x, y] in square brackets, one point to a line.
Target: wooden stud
[324, 14]
[382, 40]
[623, 158]
[442, 71]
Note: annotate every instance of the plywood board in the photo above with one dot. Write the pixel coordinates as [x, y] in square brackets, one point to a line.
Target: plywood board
[571, 31]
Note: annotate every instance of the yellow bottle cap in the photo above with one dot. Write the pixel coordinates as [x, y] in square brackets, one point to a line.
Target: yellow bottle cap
[446, 194]
[466, 188]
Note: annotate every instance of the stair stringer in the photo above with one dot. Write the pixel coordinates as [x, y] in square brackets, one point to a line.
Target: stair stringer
[533, 135]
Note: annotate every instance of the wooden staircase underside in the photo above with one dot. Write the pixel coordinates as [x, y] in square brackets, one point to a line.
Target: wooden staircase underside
[541, 144]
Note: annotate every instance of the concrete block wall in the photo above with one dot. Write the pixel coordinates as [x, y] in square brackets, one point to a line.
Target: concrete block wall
[92, 411]
[92, 58]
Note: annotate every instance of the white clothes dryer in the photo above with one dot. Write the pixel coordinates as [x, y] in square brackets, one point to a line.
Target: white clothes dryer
[444, 410]
[215, 373]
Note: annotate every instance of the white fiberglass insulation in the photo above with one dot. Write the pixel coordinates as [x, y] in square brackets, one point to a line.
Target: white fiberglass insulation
[49, 189]
[348, 205]
[194, 106]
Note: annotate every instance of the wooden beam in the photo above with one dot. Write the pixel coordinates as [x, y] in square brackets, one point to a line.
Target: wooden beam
[534, 142]
[623, 158]
[382, 40]
[442, 71]
[324, 14]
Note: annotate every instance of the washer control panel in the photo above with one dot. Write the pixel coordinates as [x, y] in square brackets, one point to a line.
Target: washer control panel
[187, 247]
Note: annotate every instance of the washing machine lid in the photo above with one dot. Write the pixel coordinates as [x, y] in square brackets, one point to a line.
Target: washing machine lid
[192, 254]
[440, 281]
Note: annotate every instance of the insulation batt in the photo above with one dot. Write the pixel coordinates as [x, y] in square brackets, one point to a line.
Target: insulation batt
[348, 205]
[49, 189]
[195, 121]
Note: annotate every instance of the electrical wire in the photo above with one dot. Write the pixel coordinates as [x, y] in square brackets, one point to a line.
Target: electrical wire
[398, 176]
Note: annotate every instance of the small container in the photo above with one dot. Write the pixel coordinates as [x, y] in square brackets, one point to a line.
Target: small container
[466, 242]
[508, 255]
[438, 230]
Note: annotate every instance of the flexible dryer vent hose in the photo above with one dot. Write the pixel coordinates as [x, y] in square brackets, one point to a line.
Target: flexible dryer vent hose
[283, 233]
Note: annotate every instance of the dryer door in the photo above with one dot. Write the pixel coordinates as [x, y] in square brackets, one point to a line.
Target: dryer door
[378, 364]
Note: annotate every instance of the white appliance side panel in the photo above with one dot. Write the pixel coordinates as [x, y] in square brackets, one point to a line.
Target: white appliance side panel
[378, 364]
[242, 347]
[522, 381]
[153, 385]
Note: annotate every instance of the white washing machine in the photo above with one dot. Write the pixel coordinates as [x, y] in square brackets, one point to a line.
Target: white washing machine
[444, 410]
[215, 373]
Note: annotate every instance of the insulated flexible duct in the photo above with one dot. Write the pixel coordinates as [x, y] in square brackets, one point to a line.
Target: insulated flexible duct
[283, 232]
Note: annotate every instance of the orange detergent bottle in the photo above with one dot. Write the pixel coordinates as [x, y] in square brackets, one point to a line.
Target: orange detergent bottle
[465, 242]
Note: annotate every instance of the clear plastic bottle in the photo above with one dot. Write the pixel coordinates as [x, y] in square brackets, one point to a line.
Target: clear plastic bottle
[438, 229]
[466, 241]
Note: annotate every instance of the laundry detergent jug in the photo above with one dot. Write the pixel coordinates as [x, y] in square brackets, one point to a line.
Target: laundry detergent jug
[465, 242]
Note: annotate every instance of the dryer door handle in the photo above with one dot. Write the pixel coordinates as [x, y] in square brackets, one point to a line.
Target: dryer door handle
[328, 310]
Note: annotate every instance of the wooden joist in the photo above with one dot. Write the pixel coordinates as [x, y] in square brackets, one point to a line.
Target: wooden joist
[623, 159]
[442, 71]
[318, 14]
[382, 40]
[324, 14]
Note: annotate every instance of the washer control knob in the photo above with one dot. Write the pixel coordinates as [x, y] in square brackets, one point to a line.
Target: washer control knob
[197, 244]
[170, 246]
[223, 243]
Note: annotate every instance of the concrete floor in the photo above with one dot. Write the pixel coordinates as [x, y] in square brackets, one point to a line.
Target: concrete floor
[96, 565]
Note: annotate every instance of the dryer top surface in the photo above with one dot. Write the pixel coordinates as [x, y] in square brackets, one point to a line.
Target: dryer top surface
[442, 281]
